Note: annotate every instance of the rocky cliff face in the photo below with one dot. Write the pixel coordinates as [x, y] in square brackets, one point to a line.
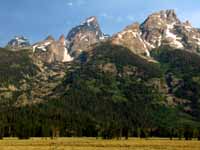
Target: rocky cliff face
[51, 50]
[160, 28]
[131, 38]
[164, 28]
[81, 37]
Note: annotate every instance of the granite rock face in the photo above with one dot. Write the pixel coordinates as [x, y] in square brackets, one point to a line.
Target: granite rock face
[131, 38]
[164, 28]
[81, 37]
[51, 50]
[159, 29]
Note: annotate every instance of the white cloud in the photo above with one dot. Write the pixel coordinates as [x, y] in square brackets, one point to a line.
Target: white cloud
[70, 4]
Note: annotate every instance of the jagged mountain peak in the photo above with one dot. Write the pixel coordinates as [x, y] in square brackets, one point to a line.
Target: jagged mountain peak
[90, 21]
[164, 28]
[62, 37]
[169, 14]
[187, 23]
[159, 20]
[62, 40]
[161, 28]
[135, 26]
[165, 15]
[50, 38]
[81, 37]
[90, 24]
[20, 37]
[18, 42]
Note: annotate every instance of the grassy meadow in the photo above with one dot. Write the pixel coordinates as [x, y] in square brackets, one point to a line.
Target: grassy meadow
[97, 144]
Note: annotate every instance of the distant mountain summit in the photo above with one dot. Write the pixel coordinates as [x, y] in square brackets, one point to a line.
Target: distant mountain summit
[159, 29]
[158, 26]
[18, 42]
[81, 37]
[164, 28]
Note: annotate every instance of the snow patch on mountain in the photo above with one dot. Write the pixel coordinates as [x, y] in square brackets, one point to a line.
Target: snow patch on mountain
[66, 56]
[169, 34]
[120, 35]
[173, 37]
[148, 53]
[91, 19]
[197, 39]
[83, 37]
[41, 46]
[149, 45]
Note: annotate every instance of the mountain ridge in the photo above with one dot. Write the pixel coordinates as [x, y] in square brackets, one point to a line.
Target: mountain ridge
[160, 28]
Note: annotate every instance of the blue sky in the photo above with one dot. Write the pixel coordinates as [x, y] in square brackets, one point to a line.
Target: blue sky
[36, 19]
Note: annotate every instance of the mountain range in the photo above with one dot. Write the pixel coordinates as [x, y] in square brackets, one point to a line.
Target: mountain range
[159, 29]
[141, 80]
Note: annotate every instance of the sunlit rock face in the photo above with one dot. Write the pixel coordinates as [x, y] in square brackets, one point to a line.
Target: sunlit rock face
[159, 29]
[164, 28]
[51, 50]
[131, 38]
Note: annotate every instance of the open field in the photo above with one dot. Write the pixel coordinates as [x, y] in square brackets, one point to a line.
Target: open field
[94, 144]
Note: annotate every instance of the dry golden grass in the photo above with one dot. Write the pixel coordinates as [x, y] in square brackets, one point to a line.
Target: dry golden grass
[94, 144]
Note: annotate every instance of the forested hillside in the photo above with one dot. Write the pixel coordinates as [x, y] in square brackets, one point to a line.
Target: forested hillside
[112, 93]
